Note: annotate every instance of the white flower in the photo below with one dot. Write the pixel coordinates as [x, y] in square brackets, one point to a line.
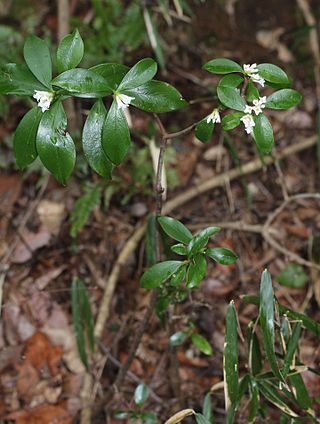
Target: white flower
[248, 123]
[259, 104]
[248, 109]
[253, 73]
[214, 117]
[123, 100]
[44, 99]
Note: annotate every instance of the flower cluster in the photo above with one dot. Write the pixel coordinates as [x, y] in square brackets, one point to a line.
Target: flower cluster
[248, 121]
[122, 100]
[253, 73]
[44, 99]
[214, 117]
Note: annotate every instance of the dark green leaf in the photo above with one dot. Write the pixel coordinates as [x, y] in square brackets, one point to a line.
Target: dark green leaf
[159, 273]
[270, 393]
[232, 120]
[229, 94]
[37, 56]
[180, 249]
[24, 141]
[254, 401]
[204, 130]
[92, 141]
[141, 394]
[283, 99]
[54, 145]
[179, 276]
[201, 419]
[177, 339]
[222, 255]
[196, 271]
[86, 313]
[78, 322]
[267, 321]
[301, 392]
[291, 349]
[200, 240]
[263, 133]
[175, 229]
[156, 96]
[274, 74]
[116, 135]
[255, 362]
[201, 343]
[252, 93]
[222, 66]
[230, 356]
[82, 83]
[139, 74]
[207, 408]
[17, 79]
[148, 417]
[70, 51]
[113, 73]
[121, 415]
[293, 275]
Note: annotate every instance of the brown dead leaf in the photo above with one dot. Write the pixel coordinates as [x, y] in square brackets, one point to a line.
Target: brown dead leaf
[27, 380]
[186, 163]
[42, 414]
[51, 215]
[213, 287]
[298, 230]
[29, 243]
[45, 279]
[271, 40]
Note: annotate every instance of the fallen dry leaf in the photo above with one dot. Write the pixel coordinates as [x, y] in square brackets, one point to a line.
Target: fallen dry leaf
[29, 243]
[271, 40]
[40, 352]
[51, 215]
[42, 414]
[27, 380]
[45, 279]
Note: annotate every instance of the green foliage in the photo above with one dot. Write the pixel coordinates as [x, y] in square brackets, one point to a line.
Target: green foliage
[293, 275]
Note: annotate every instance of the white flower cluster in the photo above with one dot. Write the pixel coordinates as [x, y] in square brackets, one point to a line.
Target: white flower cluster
[214, 117]
[248, 121]
[123, 100]
[253, 73]
[44, 99]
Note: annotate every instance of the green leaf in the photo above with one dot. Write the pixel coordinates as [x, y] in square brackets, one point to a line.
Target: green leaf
[121, 415]
[231, 121]
[201, 419]
[291, 349]
[70, 51]
[86, 313]
[180, 249]
[273, 74]
[139, 74]
[271, 394]
[222, 255]
[293, 275]
[207, 408]
[37, 56]
[24, 140]
[201, 343]
[141, 394]
[252, 93]
[230, 357]
[200, 240]
[283, 99]
[229, 94]
[267, 321]
[156, 96]
[54, 145]
[113, 73]
[204, 130]
[159, 273]
[92, 141]
[222, 66]
[301, 392]
[196, 271]
[175, 229]
[82, 83]
[254, 401]
[179, 276]
[78, 322]
[148, 417]
[263, 133]
[17, 79]
[116, 135]
[178, 338]
[255, 361]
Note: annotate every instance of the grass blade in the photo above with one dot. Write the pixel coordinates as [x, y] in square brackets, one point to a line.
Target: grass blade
[230, 358]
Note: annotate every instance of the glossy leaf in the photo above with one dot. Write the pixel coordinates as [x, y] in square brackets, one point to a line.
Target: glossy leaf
[92, 141]
[230, 357]
[159, 273]
[113, 73]
[301, 392]
[82, 83]
[37, 56]
[252, 93]
[200, 240]
[207, 408]
[179, 249]
[231, 121]
[293, 275]
[204, 130]
[229, 94]
[156, 96]
[141, 394]
[254, 400]
[178, 338]
[201, 419]
[263, 133]
[116, 135]
[292, 346]
[19, 80]
[273, 74]
[201, 343]
[196, 271]
[255, 361]
[283, 99]
[24, 140]
[70, 51]
[271, 394]
[139, 74]
[222, 66]
[179, 276]
[175, 229]
[222, 255]
[54, 145]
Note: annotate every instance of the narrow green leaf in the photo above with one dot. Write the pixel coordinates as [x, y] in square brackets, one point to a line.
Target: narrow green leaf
[267, 321]
[204, 130]
[175, 229]
[200, 240]
[293, 275]
[70, 51]
[291, 348]
[159, 273]
[24, 140]
[255, 361]
[116, 135]
[113, 73]
[231, 121]
[77, 323]
[252, 93]
[222, 66]
[141, 394]
[201, 343]
[82, 83]
[283, 99]
[156, 96]
[178, 338]
[271, 394]
[196, 271]
[19, 80]
[92, 141]
[301, 392]
[229, 94]
[201, 419]
[54, 145]
[222, 255]
[263, 133]
[273, 74]
[207, 408]
[139, 74]
[37, 56]
[230, 357]
[86, 313]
